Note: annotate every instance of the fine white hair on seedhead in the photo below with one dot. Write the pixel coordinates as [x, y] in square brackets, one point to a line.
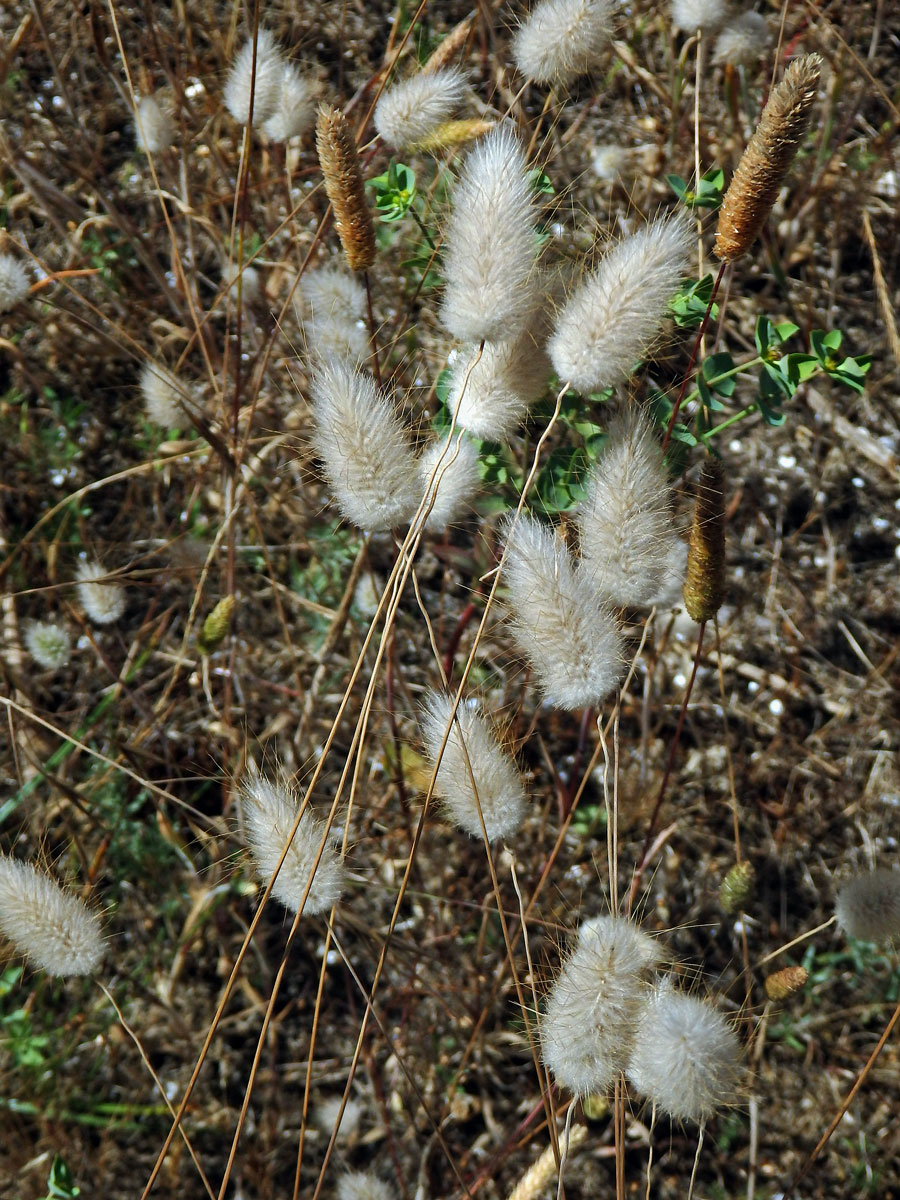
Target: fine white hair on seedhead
[103, 602]
[491, 246]
[327, 1113]
[491, 392]
[363, 1185]
[295, 106]
[14, 283]
[48, 644]
[612, 318]
[686, 1056]
[691, 15]
[868, 905]
[560, 624]
[53, 929]
[368, 461]
[269, 74]
[456, 483]
[270, 810]
[162, 395]
[595, 1004]
[412, 109]
[625, 523]
[332, 314]
[669, 592]
[743, 41]
[474, 770]
[153, 125]
[562, 39]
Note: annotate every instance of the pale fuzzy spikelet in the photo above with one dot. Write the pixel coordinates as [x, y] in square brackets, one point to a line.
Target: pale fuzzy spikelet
[13, 282]
[368, 461]
[669, 595]
[153, 126]
[868, 905]
[691, 15]
[161, 393]
[327, 1113]
[743, 41]
[412, 109]
[686, 1056]
[245, 286]
[269, 74]
[594, 1007]
[334, 305]
[103, 602]
[570, 639]
[295, 107]
[625, 522]
[614, 315]
[270, 810]
[491, 393]
[48, 644]
[455, 484]
[491, 247]
[52, 928]
[472, 754]
[363, 1185]
[562, 39]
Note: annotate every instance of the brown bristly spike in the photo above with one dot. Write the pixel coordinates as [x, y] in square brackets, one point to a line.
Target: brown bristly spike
[767, 159]
[339, 161]
[444, 55]
[786, 982]
[704, 583]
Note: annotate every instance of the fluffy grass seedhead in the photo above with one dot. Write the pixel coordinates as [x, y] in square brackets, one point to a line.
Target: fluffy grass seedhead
[103, 602]
[686, 1056]
[743, 41]
[755, 184]
[413, 108]
[52, 928]
[14, 283]
[593, 1008]
[295, 107]
[474, 770]
[491, 247]
[153, 126]
[334, 305]
[367, 458]
[161, 393]
[612, 318]
[868, 905]
[269, 73]
[625, 524]
[270, 810]
[339, 160]
[363, 1185]
[691, 15]
[562, 39]
[456, 483]
[48, 644]
[570, 639]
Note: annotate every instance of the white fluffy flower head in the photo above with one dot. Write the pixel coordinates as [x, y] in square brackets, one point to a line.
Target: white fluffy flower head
[13, 282]
[367, 458]
[743, 41]
[595, 1004]
[686, 1056]
[613, 316]
[332, 311]
[562, 39]
[51, 927]
[475, 770]
[491, 247]
[269, 75]
[691, 15]
[153, 126]
[104, 602]
[270, 810]
[161, 393]
[363, 1185]
[571, 640]
[410, 110]
[625, 523]
[48, 644]
[295, 106]
[455, 482]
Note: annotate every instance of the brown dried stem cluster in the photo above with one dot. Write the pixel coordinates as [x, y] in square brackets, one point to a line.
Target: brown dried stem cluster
[339, 161]
[767, 159]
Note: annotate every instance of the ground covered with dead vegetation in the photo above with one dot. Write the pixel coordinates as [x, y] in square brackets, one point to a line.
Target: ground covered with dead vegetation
[418, 999]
